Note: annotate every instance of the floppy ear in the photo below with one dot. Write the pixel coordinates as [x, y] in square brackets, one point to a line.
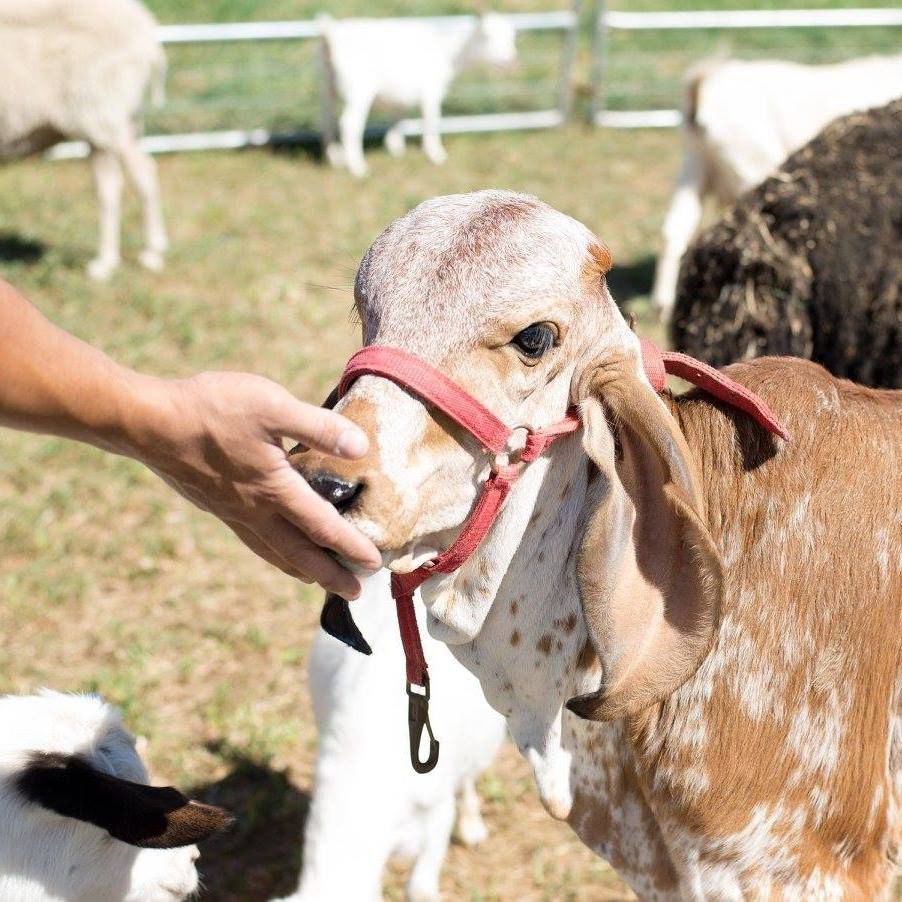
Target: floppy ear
[153, 817]
[650, 575]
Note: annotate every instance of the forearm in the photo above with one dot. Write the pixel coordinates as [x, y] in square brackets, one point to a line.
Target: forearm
[51, 382]
[216, 438]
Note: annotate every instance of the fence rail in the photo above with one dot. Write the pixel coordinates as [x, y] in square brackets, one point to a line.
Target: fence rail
[566, 21]
[607, 21]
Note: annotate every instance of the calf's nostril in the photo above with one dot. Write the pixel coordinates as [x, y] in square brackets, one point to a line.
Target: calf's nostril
[338, 492]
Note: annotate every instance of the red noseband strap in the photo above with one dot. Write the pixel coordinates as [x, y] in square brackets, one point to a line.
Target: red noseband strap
[431, 386]
[495, 437]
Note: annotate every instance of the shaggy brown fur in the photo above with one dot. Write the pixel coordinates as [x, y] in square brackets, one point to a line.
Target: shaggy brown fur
[808, 263]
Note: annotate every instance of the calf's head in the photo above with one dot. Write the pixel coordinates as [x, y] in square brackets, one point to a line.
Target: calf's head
[502, 294]
[508, 298]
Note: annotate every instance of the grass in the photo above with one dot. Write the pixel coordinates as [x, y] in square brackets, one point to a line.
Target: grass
[110, 582]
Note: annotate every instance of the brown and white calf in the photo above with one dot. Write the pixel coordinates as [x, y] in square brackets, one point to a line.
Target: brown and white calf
[693, 629]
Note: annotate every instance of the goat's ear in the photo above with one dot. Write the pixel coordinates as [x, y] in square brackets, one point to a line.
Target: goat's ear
[650, 576]
[336, 619]
[153, 817]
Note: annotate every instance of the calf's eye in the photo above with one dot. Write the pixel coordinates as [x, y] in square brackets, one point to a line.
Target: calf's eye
[534, 340]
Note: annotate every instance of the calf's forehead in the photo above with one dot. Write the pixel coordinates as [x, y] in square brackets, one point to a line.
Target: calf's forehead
[437, 278]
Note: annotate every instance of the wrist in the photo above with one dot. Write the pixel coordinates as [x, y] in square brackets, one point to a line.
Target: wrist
[150, 419]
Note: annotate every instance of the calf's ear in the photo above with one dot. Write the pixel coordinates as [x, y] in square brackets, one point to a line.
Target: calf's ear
[650, 576]
[152, 817]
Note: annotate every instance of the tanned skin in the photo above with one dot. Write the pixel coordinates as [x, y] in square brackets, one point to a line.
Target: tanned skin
[216, 438]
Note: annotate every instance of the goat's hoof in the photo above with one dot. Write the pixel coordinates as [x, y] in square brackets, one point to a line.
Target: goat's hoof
[152, 260]
[471, 831]
[437, 157]
[100, 270]
[358, 170]
[395, 143]
[335, 155]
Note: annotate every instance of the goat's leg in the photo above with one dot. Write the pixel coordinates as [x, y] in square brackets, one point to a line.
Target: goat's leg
[351, 127]
[679, 226]
[432, 136]
[142, 170]
[424, 878]
[471, 828]
[108, 179]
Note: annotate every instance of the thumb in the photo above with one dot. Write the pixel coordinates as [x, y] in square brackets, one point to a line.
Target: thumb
[317, 427]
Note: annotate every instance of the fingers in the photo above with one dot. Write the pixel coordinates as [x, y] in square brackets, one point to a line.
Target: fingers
[261, 549]
[322, 523]
[316, 427]
[283, 546]
[291, 545]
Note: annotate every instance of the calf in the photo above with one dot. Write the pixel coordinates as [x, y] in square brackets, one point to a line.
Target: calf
[691, 626]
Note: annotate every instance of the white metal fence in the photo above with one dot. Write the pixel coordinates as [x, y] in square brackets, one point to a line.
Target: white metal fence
[564, 21]
[611, 24]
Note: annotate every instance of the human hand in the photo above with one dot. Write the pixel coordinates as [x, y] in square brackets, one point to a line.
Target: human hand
[217, 439]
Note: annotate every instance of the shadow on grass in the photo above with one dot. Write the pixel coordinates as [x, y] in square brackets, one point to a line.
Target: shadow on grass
[309, 143]
[260, 856]
[16, 249]
[632, 280]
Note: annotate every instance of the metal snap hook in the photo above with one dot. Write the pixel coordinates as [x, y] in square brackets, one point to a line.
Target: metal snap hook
[417, 721]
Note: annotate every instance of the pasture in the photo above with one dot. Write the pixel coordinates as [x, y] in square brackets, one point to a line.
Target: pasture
[110, 582]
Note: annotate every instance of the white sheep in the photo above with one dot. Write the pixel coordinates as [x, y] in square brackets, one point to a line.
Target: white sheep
[368, 803]
[742, 119]
[77, 820]
[81, 70]
[404, 62]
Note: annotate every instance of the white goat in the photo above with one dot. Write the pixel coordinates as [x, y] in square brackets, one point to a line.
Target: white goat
[74, 808]
[404, 62]
[368, 803]
[81, 70]
[742, 119]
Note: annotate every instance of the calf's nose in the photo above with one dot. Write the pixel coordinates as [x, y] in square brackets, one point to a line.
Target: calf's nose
[337, 491]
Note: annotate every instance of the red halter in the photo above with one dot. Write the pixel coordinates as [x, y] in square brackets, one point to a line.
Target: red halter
[436, 389]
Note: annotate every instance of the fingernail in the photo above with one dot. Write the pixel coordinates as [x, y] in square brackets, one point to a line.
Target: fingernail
[351, 443]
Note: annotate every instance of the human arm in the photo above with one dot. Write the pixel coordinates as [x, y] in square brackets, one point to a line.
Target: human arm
[216, 438]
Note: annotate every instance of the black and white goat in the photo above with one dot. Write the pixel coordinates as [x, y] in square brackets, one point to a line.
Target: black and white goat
[77, 818]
